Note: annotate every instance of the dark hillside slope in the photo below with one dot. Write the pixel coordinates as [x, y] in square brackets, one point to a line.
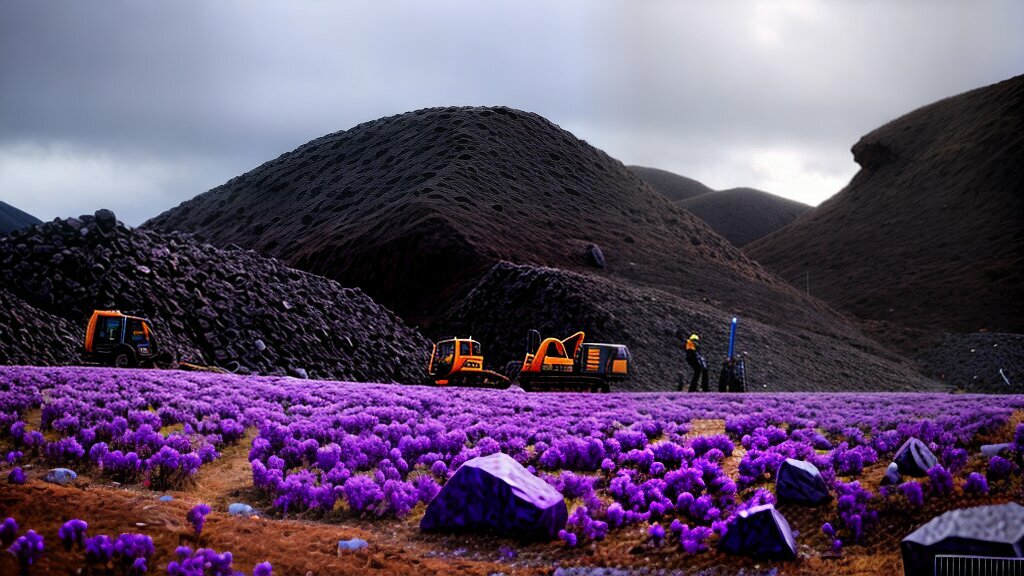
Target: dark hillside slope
[12, 219]
[671, 185]
[415, 208]
[743, 215]
[928, 236]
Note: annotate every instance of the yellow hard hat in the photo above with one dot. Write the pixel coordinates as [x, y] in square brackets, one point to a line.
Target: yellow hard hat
[694, 337]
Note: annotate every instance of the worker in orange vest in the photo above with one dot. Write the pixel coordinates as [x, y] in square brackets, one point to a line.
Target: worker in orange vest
[696, 361]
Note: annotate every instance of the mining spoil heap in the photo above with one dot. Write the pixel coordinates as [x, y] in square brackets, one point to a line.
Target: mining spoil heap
[226, 307]
[417, 208]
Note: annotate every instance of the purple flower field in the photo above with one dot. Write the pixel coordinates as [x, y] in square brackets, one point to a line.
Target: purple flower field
[624, 462]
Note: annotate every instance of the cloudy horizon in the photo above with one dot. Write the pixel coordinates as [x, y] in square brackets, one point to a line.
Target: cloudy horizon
[138, 108]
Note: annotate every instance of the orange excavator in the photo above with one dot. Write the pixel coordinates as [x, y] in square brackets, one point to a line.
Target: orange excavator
[120, 340]
[554, 364]
[459, 362]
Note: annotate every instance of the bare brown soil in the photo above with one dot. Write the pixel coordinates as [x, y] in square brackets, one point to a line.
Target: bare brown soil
[308, 543]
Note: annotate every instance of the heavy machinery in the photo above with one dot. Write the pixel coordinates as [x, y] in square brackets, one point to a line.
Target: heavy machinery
[120, 340]
[733, 377]
[555, 364]
[459, 362]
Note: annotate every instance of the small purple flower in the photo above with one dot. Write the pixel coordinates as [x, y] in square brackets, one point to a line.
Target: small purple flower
[99, 549]
[976, 485]
[940, 480]
[28, 549]
[262, 569]
[914, 494]
[657, 534]
[72, 533]
[197, 517]
[16, 476]
[837, 546]
[8, 531]
[568, 537]
[828, 530]
[138, 567]
[999, 468]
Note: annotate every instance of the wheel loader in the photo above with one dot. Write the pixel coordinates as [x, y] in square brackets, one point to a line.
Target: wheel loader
[572, 364]
[120, 340]
[459, 362]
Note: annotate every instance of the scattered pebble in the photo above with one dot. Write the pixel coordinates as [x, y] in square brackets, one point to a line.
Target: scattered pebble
[62, 476]
[353, 544]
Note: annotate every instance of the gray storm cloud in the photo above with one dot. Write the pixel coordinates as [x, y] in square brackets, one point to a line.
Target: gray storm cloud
[139, 106]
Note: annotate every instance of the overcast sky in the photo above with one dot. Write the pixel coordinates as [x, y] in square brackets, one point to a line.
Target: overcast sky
[137, 106]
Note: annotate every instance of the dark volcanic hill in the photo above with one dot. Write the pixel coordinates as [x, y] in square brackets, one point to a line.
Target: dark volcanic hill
[417, 208]
[671, 185]
[12, 219]
[743, 215]
[512, 299]
[227, 307]
[929, 234]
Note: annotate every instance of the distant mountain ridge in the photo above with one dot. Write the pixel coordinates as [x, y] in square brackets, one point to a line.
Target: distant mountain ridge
[741, 215]
[675, 187]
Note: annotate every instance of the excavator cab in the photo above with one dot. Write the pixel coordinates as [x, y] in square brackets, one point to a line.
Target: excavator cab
[460, 362]
[120, 340]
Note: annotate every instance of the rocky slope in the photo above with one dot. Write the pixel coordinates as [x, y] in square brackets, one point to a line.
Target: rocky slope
[743, 215]
[512, 299]
[980, 362]
[219, 306]
[31, 336]
[927, 237]
[416, 208]
[12, 219]
[673, 186]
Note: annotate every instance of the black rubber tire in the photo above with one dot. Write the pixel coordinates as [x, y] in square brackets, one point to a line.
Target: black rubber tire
[123, 359]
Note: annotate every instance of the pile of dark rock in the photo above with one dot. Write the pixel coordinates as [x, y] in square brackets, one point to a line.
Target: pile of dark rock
[30, 336]
[226, 307]
[512, 299]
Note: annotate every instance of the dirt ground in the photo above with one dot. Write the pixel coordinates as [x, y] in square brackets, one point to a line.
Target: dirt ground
[307, 543]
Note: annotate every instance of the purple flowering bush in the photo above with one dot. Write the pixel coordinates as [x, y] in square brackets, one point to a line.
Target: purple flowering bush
[196, 516]
[72, 533]
[623, 461]
[28, 549]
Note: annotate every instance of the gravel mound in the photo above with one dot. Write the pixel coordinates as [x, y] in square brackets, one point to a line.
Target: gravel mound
[927, 235]
[972, 362]
[225, 307]
[12, 219]
[31, 336]
[512, 299]
[743, 215]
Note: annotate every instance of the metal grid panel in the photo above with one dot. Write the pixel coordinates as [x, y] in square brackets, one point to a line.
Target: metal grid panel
[949, 565]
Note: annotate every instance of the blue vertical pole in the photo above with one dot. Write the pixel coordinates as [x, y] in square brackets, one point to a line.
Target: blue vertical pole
[732, 337]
